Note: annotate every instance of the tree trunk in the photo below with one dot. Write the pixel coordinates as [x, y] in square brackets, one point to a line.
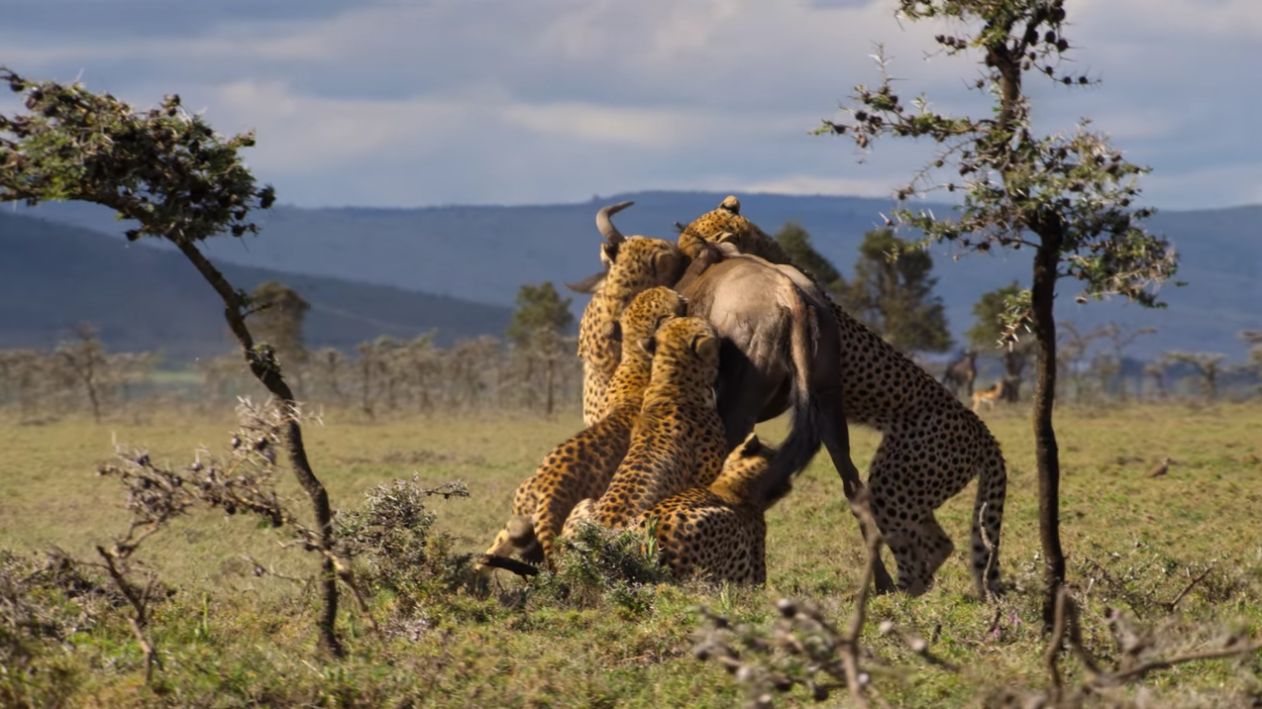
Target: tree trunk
[551, 381]
[1047, 456]
[263, 365]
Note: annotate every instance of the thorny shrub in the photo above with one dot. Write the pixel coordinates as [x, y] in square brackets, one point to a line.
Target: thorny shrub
[392, 536]
[599, 565]
[46, 602]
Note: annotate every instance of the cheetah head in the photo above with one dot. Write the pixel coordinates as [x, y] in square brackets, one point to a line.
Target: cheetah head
[685, 349]
[632, 263]
[746, 474]
[647, 312]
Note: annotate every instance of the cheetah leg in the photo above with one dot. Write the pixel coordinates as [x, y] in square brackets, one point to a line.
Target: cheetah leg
[836, 438]
[898, 524]
[936, 547]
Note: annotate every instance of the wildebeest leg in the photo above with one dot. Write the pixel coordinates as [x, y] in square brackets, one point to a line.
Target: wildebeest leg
[739, 412]
[836, 439]
[740, 394]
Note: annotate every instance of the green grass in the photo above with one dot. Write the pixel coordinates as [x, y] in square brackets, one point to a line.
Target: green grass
[230, 638]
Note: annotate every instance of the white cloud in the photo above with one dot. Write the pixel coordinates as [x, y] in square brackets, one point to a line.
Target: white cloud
[643, 127]
[816, 184]
[510, 101]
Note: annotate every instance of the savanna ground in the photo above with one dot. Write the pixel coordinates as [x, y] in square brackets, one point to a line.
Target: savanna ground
[230, 637]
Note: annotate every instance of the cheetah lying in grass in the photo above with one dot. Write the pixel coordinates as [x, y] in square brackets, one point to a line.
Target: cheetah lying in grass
[718, 532]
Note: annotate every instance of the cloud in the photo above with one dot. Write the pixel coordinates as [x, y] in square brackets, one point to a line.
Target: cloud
[448, 100]
[818, 184]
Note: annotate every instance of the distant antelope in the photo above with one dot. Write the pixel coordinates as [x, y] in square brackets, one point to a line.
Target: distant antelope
[990, 395]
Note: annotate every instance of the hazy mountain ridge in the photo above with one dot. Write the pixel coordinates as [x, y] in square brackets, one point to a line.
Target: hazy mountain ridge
[483, 253]
[54, 275]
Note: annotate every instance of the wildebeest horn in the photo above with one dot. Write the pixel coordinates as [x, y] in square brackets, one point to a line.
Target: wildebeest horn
[605, 224]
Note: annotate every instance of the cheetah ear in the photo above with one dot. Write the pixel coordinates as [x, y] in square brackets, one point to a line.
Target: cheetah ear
[649, 344]
[608, 253]
[665, 266]
[706, 346]
[751, 446]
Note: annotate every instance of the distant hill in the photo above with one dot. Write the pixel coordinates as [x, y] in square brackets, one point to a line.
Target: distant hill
[53, 275]
[484, 253]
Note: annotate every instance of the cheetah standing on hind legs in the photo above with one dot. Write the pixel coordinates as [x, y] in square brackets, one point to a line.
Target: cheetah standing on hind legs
[931, 447]
[582, 466]
[718, 532]
[643, 264]
[678, 440]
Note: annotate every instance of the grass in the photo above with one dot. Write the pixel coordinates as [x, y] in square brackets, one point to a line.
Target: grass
[231, 638]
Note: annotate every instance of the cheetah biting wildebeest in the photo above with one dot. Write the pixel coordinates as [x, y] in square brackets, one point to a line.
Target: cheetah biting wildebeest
[719, 532]
[678, 440]
[582, 466]
[645, 263]
[932, 444]
[780, 342]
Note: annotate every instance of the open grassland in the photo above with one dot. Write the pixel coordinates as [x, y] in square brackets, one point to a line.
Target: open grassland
[229, 637]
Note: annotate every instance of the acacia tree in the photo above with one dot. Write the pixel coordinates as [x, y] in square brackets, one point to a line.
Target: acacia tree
[174, 178]
[541, 318]
[1066, 196]
[277, 315]
[796, 243]
[1254, 339]
[85, 357]
[1207, 365]
[992, 315]
[892, 291]
[1074, 345]
[1120, 338]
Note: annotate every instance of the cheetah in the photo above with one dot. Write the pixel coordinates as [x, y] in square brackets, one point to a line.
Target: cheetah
[582, 466]
[642, 263]
[718, 532]
[932, 445]
[725, 225]
[678, 440]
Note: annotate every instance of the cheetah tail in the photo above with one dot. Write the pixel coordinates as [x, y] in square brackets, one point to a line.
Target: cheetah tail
[804, 439]
[992, 485]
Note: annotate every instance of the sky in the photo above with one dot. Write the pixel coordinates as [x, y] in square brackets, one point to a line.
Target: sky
[399, 103]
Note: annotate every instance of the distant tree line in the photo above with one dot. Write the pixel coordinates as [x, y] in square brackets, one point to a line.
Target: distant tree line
[76, 375]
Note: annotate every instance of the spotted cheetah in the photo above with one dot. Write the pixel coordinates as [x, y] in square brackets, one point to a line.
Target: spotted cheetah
[642, 263]
[725, 225]
[719, 532]
[678, 441]
[582, 466]
[932, 444]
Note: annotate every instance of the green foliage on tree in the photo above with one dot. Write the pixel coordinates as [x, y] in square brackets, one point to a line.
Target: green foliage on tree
[1254, 339]
[989, 330]
[796, 242]
[277, 319]
[999, 319]
[1066, 196]
[537, 327]
[892, 291]
[176, 179]
[541, 312]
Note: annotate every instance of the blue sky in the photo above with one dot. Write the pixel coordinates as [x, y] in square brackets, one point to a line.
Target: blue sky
[416, 102]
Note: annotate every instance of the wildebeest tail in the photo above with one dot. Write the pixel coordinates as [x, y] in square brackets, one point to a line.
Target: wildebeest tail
[804, 439]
